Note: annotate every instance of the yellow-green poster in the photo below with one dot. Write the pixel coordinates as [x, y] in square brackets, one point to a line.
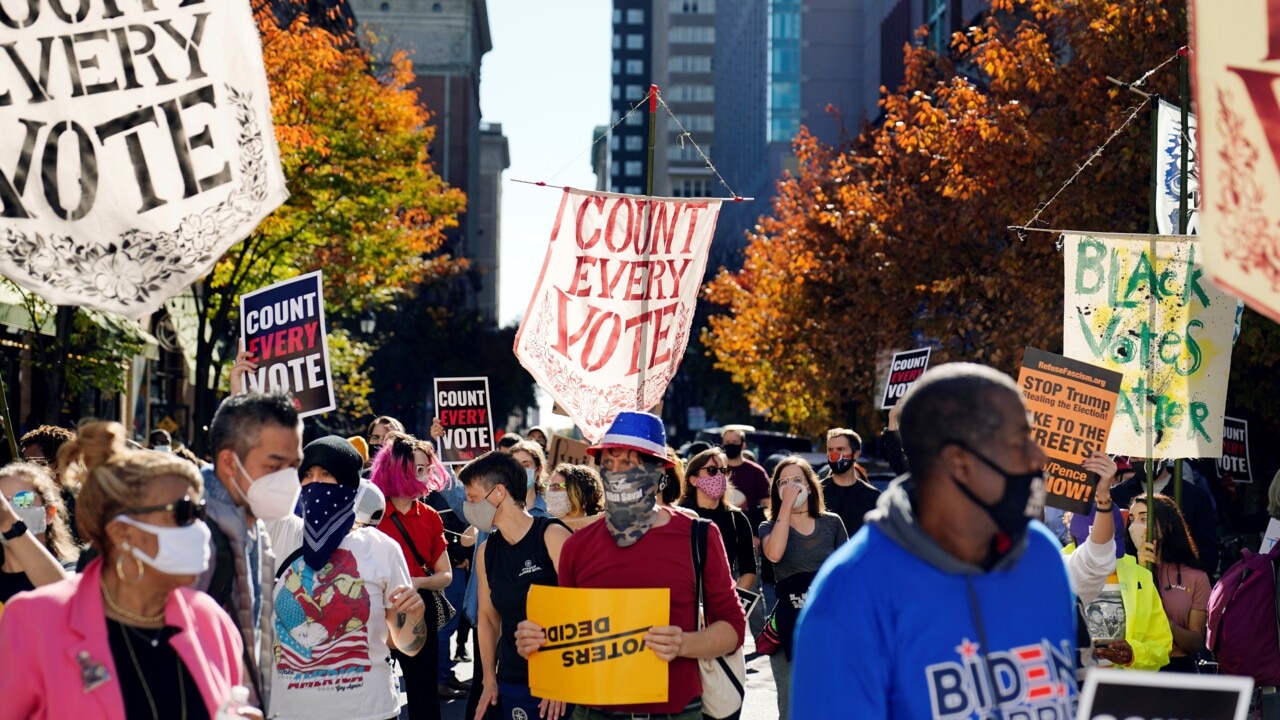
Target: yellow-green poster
[595, 652]
[1141, 305]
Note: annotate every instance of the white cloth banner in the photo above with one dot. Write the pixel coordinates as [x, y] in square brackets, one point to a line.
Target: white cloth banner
[1169, 157]
[139, 146]
[609, 321]
[1140, 305]
[1236, 61]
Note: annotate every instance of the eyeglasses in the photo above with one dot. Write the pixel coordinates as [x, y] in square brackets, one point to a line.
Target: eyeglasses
[185, 511]
[41, 461]
[714, 470]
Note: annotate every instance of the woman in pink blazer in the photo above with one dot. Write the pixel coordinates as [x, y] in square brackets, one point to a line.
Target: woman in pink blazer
[127, 638]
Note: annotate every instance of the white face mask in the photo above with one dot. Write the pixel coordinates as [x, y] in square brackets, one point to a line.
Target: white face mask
[272, 496]
[801, 498]
[35, 517]
[183, 550]
[163, 448]
[558, 503]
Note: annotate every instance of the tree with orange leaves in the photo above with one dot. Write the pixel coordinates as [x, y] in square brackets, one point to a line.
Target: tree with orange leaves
[900, 238]
[365, 204]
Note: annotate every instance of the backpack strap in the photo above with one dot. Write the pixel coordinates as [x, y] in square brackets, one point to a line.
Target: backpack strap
[222, 581]
[698, 548]
[395, 518]
[289, 559]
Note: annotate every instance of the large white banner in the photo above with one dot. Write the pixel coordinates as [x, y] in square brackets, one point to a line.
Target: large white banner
[1169, 159]
[1141, 305]
[609, 321]
[1236, 56]
[137, 146]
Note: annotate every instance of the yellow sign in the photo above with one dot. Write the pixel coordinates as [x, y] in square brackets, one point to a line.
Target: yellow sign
[595, 652]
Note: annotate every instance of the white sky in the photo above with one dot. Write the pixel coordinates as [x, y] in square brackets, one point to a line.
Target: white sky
[547, 80]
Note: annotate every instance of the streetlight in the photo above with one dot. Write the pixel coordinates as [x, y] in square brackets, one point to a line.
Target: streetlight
[368, 323]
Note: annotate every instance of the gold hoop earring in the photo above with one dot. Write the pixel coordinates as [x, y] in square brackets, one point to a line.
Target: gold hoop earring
[120, 566]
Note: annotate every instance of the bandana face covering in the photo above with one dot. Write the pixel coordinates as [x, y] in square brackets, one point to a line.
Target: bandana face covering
[630, 503]
[328, 514]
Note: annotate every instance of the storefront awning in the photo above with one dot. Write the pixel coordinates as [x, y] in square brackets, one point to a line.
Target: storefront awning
[14, 313]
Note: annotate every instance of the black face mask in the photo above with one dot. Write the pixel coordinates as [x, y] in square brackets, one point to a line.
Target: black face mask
[842, 465]
[732, 450]
[1022, 500]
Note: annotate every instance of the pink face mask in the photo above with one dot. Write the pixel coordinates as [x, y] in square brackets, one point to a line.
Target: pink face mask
[712, 485]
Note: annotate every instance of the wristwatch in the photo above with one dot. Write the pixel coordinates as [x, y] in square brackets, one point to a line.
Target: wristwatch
[15, 531]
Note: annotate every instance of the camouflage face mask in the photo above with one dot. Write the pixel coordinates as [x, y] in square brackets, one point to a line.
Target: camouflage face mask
[630, 502]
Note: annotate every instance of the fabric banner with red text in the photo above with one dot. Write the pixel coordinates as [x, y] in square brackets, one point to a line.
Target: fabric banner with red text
[140, 146]
[1140, 305]
[609, 321]
[1237, 82]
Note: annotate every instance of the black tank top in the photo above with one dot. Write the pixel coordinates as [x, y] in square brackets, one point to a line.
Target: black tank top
[512, 569]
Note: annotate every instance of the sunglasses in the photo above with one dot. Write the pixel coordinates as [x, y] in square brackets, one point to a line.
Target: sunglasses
[185, 511]
[714, 470]
[559, 486]
[41, 461]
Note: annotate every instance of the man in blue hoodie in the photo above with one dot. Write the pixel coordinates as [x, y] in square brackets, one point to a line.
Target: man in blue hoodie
[950, 602]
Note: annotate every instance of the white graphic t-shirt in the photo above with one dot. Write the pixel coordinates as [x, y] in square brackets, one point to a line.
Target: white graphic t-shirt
[330, 657]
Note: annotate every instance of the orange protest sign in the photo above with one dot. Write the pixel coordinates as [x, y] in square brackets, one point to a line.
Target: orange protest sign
[595, 652]
[1072, 404]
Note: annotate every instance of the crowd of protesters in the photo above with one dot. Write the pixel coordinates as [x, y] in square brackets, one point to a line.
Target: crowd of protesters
[291, 581]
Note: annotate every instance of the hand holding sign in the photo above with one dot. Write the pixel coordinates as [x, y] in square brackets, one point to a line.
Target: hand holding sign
[529, 638]
[665, 641]
[591, 646]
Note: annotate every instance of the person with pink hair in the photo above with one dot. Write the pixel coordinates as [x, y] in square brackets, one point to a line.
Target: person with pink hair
[406, 470]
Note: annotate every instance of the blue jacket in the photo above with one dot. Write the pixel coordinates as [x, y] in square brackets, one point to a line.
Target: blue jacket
[895, 627]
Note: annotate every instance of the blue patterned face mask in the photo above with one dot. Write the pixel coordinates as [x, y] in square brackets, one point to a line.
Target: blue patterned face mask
[328, 514]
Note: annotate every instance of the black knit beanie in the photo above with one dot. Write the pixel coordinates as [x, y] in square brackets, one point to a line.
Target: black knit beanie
[335, 454]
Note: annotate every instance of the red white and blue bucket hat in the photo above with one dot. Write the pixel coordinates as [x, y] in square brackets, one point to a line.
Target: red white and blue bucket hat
[639, 431]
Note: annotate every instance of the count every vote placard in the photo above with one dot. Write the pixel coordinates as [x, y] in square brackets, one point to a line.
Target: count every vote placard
[282, 326]
[595, 652]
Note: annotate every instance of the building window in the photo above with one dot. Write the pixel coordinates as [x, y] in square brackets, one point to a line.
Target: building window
[679, 7]
[617, 16]
[635, 42]
[784, 70]
[692, 93]
[935, 14]
[690, 187]
[634, 67]
[635, 142]
[692, 35]
[690, 63]
[617, 42]
[617, 92]
[635, 17]
[613, 143]
[704, 123]
[634, 92]
[436, 7]
[617, 67]
[384, 7]
[634, 168]
[688, 153]
[634, 190]
[635, 118]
